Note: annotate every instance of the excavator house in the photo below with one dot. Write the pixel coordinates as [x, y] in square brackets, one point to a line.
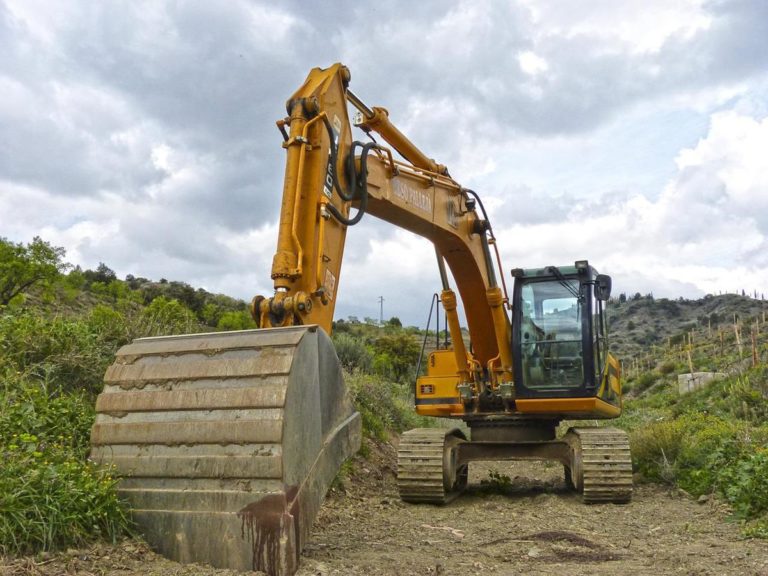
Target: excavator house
[226, 443]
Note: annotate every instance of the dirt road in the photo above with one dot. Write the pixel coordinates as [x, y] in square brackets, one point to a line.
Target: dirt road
[531, 525]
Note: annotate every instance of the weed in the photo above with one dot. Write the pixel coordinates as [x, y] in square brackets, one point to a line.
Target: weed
[496, 482]
[50, 495]
[384, 406]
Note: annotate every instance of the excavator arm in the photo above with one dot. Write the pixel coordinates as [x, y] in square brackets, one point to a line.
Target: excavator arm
[326, 180]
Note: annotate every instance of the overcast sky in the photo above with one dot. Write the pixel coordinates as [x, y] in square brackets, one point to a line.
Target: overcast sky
[632, 133]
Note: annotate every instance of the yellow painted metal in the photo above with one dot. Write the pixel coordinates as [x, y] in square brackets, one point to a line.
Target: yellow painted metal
[610, 385]
[460, 366]
[436, 393]
[417, 195]
[568, 407]
[380, 123]
[433, 207]
[502, 330]
[310, 246]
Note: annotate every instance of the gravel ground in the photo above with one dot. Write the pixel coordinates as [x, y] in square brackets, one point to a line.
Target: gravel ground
[531, 525]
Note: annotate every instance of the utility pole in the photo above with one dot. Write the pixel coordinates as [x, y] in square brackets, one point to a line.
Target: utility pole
[381, 310]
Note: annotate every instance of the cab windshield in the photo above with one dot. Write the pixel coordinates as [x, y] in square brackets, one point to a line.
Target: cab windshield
[551, 335]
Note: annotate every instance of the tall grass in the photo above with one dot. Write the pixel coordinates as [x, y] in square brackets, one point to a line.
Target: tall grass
[50, 495]
[385, 407]
[51, 369]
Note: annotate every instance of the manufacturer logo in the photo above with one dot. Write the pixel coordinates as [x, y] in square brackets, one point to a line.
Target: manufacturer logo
[328, 184]
[409, 195]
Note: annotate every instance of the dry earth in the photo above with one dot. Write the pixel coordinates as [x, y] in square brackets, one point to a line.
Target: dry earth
[533, 526]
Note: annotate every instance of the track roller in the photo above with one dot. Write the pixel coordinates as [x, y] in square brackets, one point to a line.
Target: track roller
[427, 468]
[601, 465]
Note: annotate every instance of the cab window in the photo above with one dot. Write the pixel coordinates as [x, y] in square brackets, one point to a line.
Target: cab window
[551, 335]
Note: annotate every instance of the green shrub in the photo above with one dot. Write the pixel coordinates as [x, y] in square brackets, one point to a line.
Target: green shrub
[739, 397]
[757, 529]
[667, 368]
[496, 483]
[702, 453]
[42, 410]
[240, 320]
[744, 483]
[164, 317]
[655, 449]
[352, 353]
[395, 357]
[645, 381]
[64, 352]
[385, 407]
[111, 326]
[51, 499]
[50, 495]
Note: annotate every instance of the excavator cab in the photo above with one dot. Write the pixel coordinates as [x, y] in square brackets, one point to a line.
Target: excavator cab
[561, 358]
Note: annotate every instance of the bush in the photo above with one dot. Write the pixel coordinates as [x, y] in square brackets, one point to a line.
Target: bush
[744, 483]
[385, 407]
[64, 352]
[51, 499]
[703, 453]
[667, 368]
[645, 381]
[655, 449]
[352, 353]
[164, 317]
[235, 321]
[395, 357]
[50, 495]
[738, 397]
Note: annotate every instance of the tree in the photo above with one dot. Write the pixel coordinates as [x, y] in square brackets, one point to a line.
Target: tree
[395, 356]
[103, 274]
[21, 267]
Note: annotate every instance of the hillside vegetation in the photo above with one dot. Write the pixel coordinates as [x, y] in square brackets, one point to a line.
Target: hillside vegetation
[61, 326]
[711, 439]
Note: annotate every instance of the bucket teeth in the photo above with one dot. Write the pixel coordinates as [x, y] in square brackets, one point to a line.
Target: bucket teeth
[236, 435]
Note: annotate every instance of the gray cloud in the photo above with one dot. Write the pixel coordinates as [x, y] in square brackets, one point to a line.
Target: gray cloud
[95, 95]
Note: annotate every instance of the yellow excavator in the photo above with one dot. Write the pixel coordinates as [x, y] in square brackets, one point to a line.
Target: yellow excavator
[227, 442]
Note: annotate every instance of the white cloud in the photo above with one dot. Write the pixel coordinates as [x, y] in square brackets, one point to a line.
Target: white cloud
[532, 64]
[642, 26]
[142, 134]
[707, 231]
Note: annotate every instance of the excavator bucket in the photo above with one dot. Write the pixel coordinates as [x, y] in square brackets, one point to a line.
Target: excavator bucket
[226, 443]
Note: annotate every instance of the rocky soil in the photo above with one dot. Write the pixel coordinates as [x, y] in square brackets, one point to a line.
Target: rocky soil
[516, 518]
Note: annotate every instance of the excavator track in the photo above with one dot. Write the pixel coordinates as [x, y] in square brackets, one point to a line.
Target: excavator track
[427, 471]
[601, 464]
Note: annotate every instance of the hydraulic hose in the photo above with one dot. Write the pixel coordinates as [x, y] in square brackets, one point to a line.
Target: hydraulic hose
[358, 189]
